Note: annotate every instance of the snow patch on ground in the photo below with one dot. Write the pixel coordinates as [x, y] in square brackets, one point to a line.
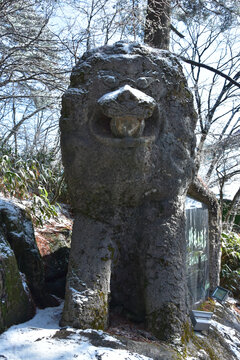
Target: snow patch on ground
[5, 250]
[35, 340]
[230, 335]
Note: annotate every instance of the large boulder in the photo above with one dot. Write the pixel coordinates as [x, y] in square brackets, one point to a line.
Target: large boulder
[54, 241]
[127, 138]
[16, 225]
[16, 304]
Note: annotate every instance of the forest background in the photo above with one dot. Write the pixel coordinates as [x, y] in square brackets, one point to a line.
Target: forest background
[40, 42]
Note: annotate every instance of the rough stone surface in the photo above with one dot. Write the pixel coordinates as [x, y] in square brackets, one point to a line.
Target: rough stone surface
[54, 242]
[127, 138]
[220, 342]
[16, 304]
[16, 225]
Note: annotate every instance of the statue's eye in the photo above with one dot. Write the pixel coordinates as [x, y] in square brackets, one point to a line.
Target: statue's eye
[144, 82]
[110, 80]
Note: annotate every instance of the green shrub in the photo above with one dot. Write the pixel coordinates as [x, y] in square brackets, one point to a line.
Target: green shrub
[38, 178]
[230, 271]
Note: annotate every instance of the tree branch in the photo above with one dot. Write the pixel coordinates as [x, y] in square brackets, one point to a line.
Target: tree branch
[16, 127]
[176, 31]
[210, 68]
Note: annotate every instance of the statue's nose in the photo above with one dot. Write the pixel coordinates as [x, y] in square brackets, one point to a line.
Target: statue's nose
[128, 108]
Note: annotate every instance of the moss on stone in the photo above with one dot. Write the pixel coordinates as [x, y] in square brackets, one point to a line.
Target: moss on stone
[15, 304]
[165, 322]
[99, 315]
[189, 337]
[105, 258]
[201, 344]
[112, 251]
[185, 338]
[208, 305]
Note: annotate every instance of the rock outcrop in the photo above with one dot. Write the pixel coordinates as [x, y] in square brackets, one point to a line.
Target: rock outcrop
[54, 241]
[16, 304]
[127, 138]
[17, 228]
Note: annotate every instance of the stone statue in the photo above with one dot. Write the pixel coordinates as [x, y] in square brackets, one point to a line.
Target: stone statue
[127, 138]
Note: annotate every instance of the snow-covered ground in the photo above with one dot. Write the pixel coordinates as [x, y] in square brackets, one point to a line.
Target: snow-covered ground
[36, 339]
[42, 339]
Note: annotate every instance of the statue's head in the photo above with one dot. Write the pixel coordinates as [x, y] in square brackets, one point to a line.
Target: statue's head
[127, 121]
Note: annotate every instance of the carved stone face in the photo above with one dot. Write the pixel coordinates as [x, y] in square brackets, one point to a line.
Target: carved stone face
[128, 108]
[127, 125]
[127, 114]
[127, 138]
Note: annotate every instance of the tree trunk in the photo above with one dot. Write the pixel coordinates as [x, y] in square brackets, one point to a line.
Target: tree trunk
[157, 26]
[232, 212]
[14, 125]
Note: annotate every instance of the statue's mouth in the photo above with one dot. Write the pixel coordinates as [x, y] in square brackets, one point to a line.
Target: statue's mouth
[125, 117]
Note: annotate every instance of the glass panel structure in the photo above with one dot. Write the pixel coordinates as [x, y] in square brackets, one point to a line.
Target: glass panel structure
[197, 250]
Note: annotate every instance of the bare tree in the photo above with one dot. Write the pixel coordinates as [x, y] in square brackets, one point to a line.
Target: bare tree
[30, 75]
[88, 24]
[216, 98]
[36, 58]
[232, 212]
[157, 25]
